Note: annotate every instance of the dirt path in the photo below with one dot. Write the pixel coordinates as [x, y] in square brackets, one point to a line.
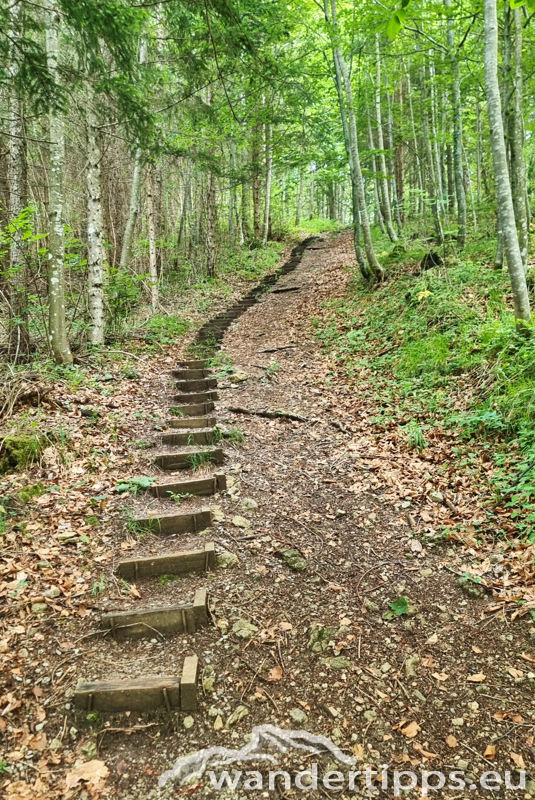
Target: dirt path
[317, 514]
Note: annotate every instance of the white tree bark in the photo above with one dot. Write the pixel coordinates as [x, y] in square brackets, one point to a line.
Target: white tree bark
[517, 145]
[501, 174]
[269, 176]
[133, 207]
[95, 231]
[457, 132]
[383, 180]
[151, 230]
[56, 234]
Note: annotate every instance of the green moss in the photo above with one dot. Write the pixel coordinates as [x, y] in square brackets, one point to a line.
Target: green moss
[18, 452]
[26, 494]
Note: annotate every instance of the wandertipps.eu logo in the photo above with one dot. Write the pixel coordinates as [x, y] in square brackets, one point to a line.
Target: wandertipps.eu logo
[266, 740]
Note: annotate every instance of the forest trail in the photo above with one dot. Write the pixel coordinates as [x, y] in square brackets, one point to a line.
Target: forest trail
[325, 611]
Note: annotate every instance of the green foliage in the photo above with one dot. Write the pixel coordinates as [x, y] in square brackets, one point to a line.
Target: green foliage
[19, 452]
[397, 607]
[124, 290]
[166, 328]
[134, 485]
[197, 460]
[26, 494]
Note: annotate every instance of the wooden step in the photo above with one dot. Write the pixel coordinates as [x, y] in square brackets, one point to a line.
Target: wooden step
[195, 409]
[187, 460]
[142, 694]
[191, 422]
[181, 563]
[188, 438]
[191, 374]
[201, 385]
[195, 364]
[194, 398]
[142, 623]
[198, 487]
[175, 523]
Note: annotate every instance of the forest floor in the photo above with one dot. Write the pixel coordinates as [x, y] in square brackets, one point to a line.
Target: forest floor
[379, 643]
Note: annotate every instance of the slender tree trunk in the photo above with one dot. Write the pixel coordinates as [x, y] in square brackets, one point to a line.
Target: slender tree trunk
[133, 206]
[269, 174]
[373, 263]
[433, 192]
[56, 236]
[418, 160]
[95, 231]
[501, 175]
[311, 196]
[457, 131]
[245, 210]
[478, 151]
[518, 164]
[392, 165]
[231, 193]
[434, 132]
[18, 198]
[383, 179]
[361, 261]
[151, 230]
[255, 157]
[299, 199]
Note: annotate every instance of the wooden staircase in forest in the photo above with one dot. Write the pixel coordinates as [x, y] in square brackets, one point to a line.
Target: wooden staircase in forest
[193, 442]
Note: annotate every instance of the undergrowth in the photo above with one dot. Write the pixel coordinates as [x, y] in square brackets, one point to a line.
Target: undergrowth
[439, 351]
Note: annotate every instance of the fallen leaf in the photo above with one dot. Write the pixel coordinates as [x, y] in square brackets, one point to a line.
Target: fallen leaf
[527, 657]
[275, 674]
[490, 752]
[515, 673]
[451, 741]
[479, 677]
[476, 649]
[411, 730]
[440, 676]
[433, 639]
[285, 626]
[134, 591]
[94, 772]
[421, 750]
[518, 760]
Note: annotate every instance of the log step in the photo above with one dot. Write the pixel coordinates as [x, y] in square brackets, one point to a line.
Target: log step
[188, 438]
[191, 422]
[196, 385]
[201, 363]
[175, 523]
[195, 409]
[142, 694]
[194, 398]
[189, 460]
[191, 374]
[199, 487]
[163, 621]
[181, 563]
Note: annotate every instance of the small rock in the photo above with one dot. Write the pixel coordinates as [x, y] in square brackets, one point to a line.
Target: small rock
[188, 723]
[249, 504]
[473, 590]
[458, 722]
[238, 377]
[463, 764]
[369, 605]
[55, 744]
[410, 665]
[244, 629]
[217, 514]
[386, 667]
[370, 715]
[52, 593]
[218, 724]
[340, 662]
[241, 522]
[214, 712]
[436, 497]
[237, 716]
[419, 696]
[530, 788]
[208, 685]
[426, 573]
[294, 559]
[39, 608]
[298, 715]
[226, 560]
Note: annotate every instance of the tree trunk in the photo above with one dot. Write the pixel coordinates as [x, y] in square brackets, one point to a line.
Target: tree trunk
[501, 175]
[255, 157]
[134, 192]
[518, 164]
[151, 230]
[95, 266]
[392, 165]
[383, 180]
[231, 193]
[457, 132]
[18, 197]
[56, 236]
[269, 174]
[433, 192]
[299, 199]
[419, 171]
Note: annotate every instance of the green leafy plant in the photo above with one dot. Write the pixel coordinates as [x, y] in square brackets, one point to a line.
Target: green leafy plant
[415, 437]
[397, 607]
[134, 485]
[197, 460]
[100, 586]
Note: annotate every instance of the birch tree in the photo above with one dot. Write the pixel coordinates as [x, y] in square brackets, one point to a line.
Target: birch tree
[56, 234]
[95, 230]
[501, 173]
